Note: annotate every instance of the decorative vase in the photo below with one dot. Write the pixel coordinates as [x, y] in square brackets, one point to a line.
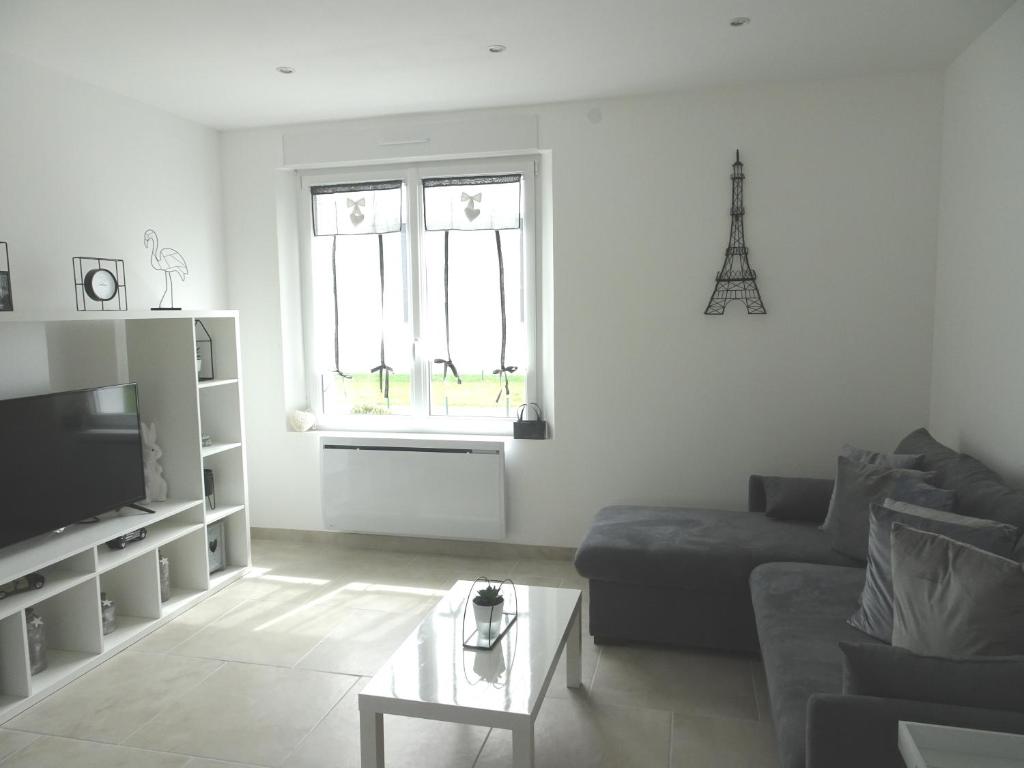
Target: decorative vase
[488, 618]
[165, 579]
[36, 631]
[108, 611]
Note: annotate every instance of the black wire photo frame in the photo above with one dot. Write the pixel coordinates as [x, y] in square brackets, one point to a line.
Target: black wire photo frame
[85, 303]
[6, 290]
[205, 370]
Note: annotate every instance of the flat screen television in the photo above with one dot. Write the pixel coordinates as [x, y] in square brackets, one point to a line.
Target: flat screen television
[66, 457]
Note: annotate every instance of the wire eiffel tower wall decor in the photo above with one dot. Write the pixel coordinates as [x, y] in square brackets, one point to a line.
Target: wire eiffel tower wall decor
[736, 281]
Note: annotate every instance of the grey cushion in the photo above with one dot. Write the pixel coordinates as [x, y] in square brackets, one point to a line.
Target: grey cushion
[801, 613]
[993, 682]
[874, 616]
[952, 599]
[891, 460]
[980, 491]
[694, 548]
[860, 485]
[790, 498]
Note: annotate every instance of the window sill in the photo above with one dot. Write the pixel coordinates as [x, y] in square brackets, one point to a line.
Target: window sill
[419, 429]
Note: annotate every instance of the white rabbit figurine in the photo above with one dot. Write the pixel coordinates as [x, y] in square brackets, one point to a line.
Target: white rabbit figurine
[156, 486]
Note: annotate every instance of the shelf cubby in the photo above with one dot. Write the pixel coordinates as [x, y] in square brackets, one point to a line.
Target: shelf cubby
[219, 415]
[134, 587]
[229, 476]
[190, 572]
[74, 636]
[225, 348]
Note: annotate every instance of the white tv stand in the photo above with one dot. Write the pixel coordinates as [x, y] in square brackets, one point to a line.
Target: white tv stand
[157, 351]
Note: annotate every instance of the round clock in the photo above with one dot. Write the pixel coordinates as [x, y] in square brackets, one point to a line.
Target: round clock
[100, 284]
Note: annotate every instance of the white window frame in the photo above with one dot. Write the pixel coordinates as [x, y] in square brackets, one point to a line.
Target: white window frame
[420, 421]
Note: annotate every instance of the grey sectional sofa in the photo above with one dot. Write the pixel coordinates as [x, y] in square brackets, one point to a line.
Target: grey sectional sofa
[741, 581]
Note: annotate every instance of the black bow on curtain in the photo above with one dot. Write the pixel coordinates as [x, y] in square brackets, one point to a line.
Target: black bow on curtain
[447, 362]
[503, 370]
[334, 289]
[383, 370]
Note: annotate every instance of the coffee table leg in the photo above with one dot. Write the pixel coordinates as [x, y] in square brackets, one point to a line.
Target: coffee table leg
[574, 653]
[371, 739]
[522, 746]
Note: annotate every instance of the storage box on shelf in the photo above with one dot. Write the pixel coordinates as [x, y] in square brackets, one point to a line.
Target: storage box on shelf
[158, 354]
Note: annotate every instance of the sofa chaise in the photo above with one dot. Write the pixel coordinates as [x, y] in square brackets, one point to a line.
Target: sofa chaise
[742, 581]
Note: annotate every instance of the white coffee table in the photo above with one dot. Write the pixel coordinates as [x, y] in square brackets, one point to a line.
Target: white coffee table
[923, 745]
[432, 676]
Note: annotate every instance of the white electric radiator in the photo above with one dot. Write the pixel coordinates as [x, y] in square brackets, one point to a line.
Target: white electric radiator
[452, 489]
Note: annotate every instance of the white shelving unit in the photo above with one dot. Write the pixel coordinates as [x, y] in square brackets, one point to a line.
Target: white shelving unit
[157, 352]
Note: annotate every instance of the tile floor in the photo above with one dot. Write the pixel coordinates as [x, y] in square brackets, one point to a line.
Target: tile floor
[266, 672]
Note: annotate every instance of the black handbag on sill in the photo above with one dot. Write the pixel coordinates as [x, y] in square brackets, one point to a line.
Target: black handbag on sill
[529, 429]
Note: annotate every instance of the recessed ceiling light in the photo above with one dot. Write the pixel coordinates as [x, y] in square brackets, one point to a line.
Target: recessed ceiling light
[739, 21]
[285, 70]
[496, 48]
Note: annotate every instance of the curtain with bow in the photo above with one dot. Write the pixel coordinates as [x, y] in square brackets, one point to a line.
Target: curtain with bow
[474, 203]
[369, 208]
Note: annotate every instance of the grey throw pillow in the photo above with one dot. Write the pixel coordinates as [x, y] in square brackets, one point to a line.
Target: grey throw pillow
[891, 460]
[874, 615]
[858, 486]
[987, 682]
[952, 599]
[790, 498]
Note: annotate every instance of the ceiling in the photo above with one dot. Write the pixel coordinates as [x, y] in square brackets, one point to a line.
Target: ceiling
[213, 61]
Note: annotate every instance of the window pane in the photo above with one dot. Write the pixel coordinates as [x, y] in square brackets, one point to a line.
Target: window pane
[474, 310]
[357, 260]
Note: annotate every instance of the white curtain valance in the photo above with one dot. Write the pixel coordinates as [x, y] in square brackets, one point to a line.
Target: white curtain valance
[473, 202]
[372, 208]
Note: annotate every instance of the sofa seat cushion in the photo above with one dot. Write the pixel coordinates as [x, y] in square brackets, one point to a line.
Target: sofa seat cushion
[713, 549]
[801, 611]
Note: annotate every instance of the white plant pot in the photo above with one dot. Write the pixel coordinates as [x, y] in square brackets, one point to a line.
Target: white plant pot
[488, 619]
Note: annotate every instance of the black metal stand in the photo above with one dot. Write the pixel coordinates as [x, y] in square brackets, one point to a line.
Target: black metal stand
[142, 508]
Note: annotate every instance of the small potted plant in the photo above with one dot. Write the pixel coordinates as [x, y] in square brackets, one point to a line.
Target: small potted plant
[487, 609]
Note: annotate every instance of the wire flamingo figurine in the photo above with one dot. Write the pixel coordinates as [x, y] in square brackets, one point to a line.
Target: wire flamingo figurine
[168, 261]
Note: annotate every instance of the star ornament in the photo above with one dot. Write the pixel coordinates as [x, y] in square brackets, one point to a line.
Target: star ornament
[36, 622]
[107, 603]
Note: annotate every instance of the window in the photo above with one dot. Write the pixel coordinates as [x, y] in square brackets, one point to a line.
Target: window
[421, 285]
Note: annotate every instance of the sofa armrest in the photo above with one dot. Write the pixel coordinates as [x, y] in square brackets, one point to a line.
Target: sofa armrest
[857, 731]
[790, 498]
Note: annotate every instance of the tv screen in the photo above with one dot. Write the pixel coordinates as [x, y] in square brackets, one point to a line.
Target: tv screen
[67, 456]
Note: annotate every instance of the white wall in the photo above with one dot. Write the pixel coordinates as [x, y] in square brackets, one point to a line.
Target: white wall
[84, 172]
[977, 398]
[656, 403]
